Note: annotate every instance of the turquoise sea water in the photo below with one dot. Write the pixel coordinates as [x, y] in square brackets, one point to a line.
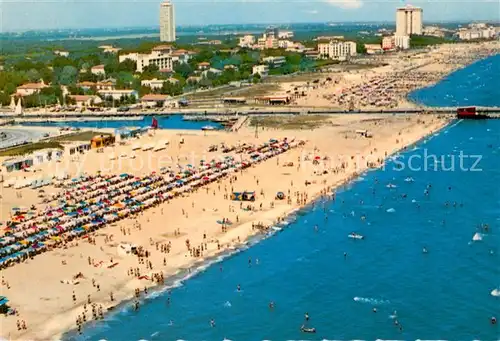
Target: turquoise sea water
[442, 294]
[164, 122]
[476, 84]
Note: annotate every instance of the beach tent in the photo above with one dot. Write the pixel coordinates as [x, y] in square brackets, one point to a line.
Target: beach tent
[3, 300]
[243, 196]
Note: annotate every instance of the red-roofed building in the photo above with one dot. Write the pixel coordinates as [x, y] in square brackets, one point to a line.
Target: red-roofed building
[106, 85]
[203, 66]
[85, 101]
[30, 89]
[98, 70]
[86, 85]
[163, 48]
[181, 56]
[155, 100]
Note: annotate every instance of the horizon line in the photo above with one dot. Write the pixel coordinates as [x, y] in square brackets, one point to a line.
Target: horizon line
[381, 22]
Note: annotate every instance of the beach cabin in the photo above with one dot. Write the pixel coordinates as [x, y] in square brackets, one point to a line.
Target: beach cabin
[46, 155]
[18, 164]
[128, 133]
[102, 141]
[243, 196]
[77, 148]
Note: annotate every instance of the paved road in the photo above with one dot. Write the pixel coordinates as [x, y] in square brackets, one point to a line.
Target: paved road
[18, 136]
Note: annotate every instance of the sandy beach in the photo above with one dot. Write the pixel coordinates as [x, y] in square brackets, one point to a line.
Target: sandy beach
[387, 86]
[43, 290]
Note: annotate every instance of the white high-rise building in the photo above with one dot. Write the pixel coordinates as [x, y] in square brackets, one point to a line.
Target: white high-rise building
[167, 22]
[409, 21]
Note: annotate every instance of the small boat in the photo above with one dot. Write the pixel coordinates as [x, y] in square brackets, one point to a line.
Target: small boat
[205, 128]
[355, 236]
[391, 186]
[308, 330]
[409, 179]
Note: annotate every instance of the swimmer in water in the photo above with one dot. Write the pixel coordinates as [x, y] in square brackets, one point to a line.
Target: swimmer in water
[238, 288]
[345, 255]
[271, 305]
[315, 228]
[212, 323]
[374, 310]
[306, 316]
[424, 250]
[493, 320]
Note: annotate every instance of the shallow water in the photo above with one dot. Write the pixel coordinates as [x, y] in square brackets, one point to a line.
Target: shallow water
[164, 122]
[447, 293]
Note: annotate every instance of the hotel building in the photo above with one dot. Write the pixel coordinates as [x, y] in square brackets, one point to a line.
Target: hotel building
[160, 56]
[409, 21]
[167, 22]
[340, 50]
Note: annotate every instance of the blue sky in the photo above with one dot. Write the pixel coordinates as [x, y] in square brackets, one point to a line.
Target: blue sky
[49, 14]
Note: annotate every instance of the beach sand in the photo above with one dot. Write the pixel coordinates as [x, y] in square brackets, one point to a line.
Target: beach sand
[403, 72]
[46, 304]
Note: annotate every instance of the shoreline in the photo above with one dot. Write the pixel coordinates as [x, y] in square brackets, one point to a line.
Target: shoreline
[52, 316]
[287, 218]
[446, 75]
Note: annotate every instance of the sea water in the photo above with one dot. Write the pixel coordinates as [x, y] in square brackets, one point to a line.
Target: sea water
[164, 122]
[477, 84]
[443, 293]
